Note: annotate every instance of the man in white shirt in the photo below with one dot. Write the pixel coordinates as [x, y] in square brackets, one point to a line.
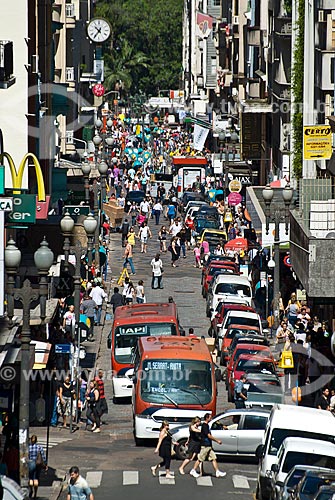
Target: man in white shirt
[144, 207]
[69, 320]
[157, 208]
[98, 295]
[175, 228]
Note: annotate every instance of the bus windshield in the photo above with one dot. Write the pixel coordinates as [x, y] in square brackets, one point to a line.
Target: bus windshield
[177, 382]
[126, 338]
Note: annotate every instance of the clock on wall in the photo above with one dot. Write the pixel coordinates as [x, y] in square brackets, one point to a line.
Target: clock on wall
[99, 30]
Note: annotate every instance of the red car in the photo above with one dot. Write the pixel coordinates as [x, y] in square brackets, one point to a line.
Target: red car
[223, 308]
[249, 363]
[208, 274]
[245, 348]
[233, 330]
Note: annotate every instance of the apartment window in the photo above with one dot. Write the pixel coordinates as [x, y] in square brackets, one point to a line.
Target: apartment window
[333, 34]
[213, 66]
[69, 74]
[216, 3]
[69, 137]
[69, 10]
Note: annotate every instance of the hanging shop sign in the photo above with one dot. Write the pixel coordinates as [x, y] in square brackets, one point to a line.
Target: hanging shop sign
[235, 186]
[24, 209]
[318, 142]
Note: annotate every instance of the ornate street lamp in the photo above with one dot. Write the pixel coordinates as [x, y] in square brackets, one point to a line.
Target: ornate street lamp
[67, 226]
[90, 225]
[86, 169]
[12, 263]
[43, 258]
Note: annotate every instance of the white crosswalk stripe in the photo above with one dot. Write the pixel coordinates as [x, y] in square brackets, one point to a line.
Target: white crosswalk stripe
[134, 477]
[130, 477]
[54, 441]
[204, 481]
[94, 478]
[240, 482]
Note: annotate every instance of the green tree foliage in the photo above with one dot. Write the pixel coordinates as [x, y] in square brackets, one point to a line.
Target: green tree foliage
[298, 90]
[147, 43]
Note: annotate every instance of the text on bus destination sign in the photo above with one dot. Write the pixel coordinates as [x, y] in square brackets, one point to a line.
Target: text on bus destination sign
[164, 365]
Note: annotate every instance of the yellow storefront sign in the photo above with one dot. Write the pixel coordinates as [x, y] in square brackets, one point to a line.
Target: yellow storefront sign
[317, 142]
[17, 175]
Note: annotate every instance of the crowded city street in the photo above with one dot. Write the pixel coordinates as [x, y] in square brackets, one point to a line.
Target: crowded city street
[167, 226]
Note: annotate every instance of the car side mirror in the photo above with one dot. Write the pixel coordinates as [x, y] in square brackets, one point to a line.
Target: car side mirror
[259, 451]
[275, 468]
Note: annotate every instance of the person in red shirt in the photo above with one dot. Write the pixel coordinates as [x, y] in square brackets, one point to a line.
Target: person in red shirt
[103, 408]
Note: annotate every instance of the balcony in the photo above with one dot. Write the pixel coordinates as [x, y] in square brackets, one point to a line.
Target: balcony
[324, 65]
[254, 36]
[313, 262]
[281, 90]
[283, 27]
[325, 4]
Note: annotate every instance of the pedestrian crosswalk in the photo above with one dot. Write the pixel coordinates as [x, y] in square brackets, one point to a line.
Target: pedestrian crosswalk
[53, 440]
[135, 477]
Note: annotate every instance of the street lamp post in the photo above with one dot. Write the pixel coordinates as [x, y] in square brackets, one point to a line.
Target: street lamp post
[276, 217]
[86, 169]
[43, 259]
[90, 225]
[67, 225]
[12, 261]
[95, 189]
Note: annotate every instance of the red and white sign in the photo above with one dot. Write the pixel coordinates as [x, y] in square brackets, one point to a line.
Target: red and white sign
[98, 90]
[42, 208]
[234, 199]
[204, 25]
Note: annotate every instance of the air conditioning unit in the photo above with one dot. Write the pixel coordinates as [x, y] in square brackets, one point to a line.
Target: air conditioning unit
[235, 20]
[322, 18]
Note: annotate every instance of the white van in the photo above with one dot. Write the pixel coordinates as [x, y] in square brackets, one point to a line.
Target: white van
[289, 421]
[311, 452]
[227, 286]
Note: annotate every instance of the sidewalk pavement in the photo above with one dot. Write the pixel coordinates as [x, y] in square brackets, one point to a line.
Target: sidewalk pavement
[53, 481]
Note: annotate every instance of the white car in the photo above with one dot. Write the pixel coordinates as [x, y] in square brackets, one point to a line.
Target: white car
[244, 433]
[227, 287]
[194, 203]
[245, 318]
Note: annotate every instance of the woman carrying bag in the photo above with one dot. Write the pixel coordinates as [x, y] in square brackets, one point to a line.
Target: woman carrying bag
[92, 412]
[36, 462]
[163, 448]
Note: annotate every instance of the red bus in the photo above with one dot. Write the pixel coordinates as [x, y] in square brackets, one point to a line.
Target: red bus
[130, 323]
[174, 380]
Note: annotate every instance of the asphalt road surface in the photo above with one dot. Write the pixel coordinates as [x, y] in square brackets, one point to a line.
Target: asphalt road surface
[112, 464]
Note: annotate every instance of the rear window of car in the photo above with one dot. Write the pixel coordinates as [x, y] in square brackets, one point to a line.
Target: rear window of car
[242, 321]
[312, 484]
[278, 436]
[295, 457]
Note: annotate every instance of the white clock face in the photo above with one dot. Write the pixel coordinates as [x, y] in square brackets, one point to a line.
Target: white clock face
[98, 30]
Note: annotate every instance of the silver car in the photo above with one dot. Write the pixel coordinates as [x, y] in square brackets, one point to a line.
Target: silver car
[240, 431]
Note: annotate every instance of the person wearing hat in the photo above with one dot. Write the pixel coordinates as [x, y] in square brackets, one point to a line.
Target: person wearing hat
[240, 393]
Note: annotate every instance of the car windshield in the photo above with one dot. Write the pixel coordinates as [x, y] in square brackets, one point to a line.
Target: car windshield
[278, 436]
[252, 365]
[200, 224]
[176, 381]
[296, 457]
[234, 289]
[126, 338]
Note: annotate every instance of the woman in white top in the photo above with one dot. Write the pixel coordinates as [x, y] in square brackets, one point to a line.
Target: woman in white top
[140, 297]
[144, 234]
[157, 271]
[130, 293]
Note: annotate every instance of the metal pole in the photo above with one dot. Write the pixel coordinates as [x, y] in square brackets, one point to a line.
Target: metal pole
[26, 295]
[87, 190]
[97, 231]
[276, 273]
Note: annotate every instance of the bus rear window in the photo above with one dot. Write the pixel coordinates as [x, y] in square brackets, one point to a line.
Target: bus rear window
[278, 436]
